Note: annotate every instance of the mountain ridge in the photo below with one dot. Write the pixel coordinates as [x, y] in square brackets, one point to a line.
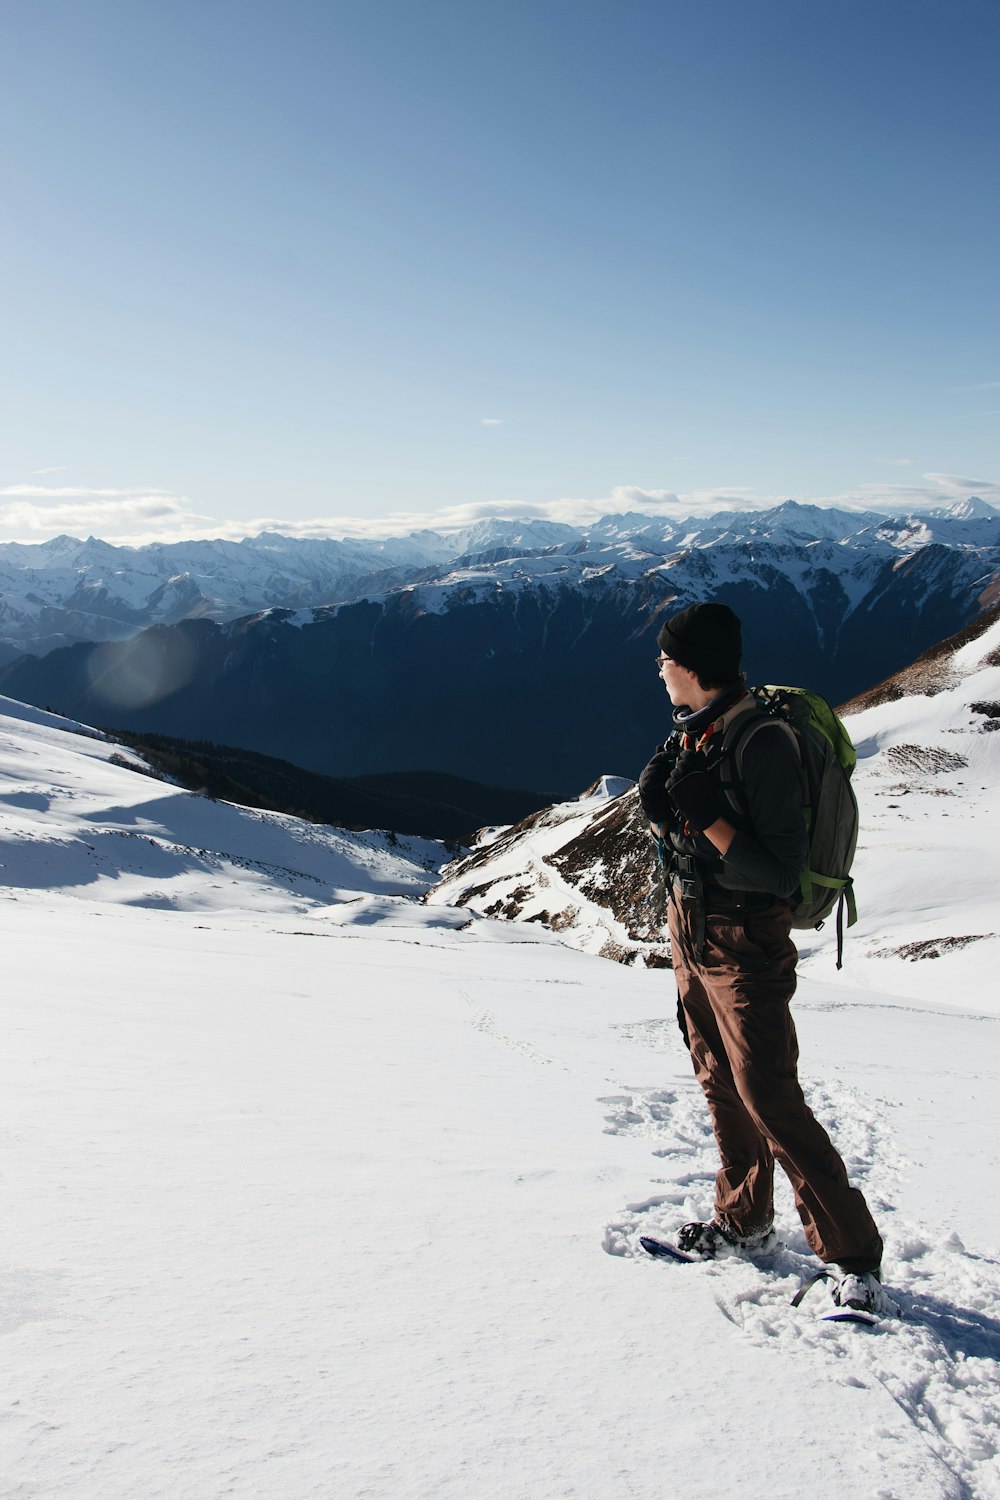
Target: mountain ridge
[64, 591]
[518, 672]
[502, 662]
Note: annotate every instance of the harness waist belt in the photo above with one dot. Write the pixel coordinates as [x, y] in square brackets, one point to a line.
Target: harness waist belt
[718, 896]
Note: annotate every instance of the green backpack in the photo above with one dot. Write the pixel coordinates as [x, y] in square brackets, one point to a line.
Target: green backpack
[827, 758]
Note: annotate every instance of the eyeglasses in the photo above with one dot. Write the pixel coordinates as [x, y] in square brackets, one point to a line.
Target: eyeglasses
[662, 660]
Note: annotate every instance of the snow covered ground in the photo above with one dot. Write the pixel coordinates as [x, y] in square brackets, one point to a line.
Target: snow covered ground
[928, 865]
[309, 1190]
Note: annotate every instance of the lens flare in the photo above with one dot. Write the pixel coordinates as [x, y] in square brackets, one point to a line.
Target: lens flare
[136, 673]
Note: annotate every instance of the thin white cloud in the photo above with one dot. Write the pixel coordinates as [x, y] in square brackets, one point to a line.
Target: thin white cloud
[960, 484]
[74, 491]
[940, 489]
[492, 421]
[38, 512]
[633, 497]
[55, 469]
[725, 497]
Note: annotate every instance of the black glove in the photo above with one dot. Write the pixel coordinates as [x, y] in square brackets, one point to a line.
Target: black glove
[698, 799]
[656, 804]
[687, 762]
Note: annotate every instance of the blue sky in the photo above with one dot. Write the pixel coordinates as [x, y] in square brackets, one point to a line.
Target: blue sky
[290, 263]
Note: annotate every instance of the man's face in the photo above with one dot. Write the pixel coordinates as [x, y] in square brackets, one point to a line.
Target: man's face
[678, 681]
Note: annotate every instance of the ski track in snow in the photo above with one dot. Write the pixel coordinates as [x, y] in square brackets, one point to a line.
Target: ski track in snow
[938, 1363]
[485, 1022]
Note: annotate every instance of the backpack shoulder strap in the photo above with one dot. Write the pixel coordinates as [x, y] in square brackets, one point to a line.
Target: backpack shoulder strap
[733, 749]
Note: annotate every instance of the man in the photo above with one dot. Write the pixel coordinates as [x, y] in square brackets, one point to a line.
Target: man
[734, 876]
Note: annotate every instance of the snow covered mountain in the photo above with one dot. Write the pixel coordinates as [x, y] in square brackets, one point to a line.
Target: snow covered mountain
[928, 785]
[85, 815]
[65, 590]
[313, 1190]
[527, 662]
[58, 592]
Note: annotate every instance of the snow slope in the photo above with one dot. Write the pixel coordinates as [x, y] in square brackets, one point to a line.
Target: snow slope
[928, 867]
[583, 868]
[310, 1190]
[74, 818]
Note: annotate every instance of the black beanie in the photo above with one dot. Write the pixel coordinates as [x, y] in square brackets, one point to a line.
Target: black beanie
[707, 639]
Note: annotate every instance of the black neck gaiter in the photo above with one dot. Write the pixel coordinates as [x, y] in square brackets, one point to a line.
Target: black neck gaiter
[689, 722]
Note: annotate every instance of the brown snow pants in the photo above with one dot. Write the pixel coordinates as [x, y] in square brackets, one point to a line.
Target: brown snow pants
[734, 997]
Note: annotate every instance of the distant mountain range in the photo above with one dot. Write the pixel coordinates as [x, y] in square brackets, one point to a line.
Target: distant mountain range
[65, 591]
[518, 654]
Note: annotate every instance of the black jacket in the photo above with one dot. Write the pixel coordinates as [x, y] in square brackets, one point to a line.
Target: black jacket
[771, 846]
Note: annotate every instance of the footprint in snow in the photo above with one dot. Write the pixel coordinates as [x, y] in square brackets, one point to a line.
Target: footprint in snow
[939, 1362]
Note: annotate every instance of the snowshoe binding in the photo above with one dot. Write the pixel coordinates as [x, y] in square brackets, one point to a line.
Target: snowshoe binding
[718, 1238]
